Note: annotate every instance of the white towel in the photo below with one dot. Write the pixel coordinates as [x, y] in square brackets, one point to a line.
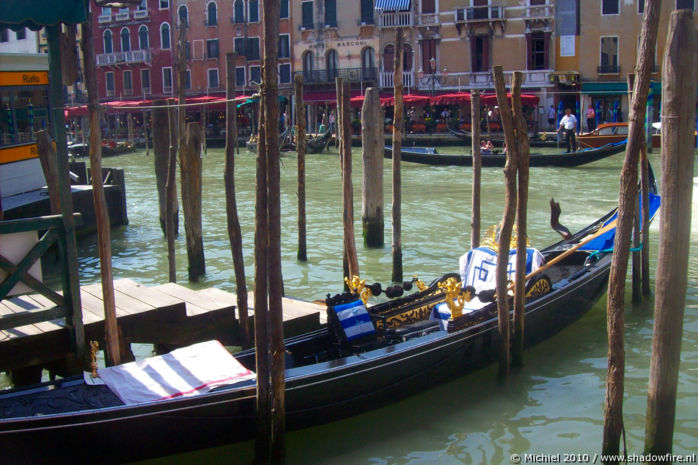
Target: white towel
[188, 371]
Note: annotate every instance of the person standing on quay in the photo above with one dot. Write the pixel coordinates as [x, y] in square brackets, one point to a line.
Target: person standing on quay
[591, 118]
[551, 117]
[569, 124]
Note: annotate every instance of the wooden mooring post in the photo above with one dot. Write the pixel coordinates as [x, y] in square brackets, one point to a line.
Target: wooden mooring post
[678, 113]
[397, 156]
[504, 241]
[231, 209]
[627, 205]
[300, 150]
[520, 153]
[192, 189]
[171, 193]
[161, 151]
[477, 167]
[372, 143]
[111, 329]
[344, 133]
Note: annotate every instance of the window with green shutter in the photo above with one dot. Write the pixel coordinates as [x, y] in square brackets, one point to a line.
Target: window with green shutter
[331, 13]
[307, 8]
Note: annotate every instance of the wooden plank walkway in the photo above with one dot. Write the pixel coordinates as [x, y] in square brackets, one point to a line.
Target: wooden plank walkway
[168, 314]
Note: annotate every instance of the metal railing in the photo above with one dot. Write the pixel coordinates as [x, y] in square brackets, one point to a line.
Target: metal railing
[395, 19]
[387, 79]
[140, 14]
[479, 13]
[101, 19]
[122, 16]
[329, 75]
[132, 56]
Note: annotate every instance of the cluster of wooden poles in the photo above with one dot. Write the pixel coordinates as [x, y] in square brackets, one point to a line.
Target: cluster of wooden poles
[170, 135]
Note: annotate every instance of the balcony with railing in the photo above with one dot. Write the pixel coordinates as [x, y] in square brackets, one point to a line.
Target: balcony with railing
[539, 12]
[395, 19]
[101, 19]
[122, 15]
[116, 58]
[428, 19]
[140, 14]
[387, 79]
[327, 76]
[474, 14]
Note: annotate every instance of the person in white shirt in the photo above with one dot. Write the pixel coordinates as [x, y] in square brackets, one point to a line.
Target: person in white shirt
[568, 123]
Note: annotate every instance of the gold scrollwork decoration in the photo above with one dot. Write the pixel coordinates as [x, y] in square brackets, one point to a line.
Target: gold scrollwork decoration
[455, 296]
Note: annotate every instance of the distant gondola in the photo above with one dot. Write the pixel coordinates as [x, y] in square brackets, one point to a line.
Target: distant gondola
[429, 156]
[367, 356]
[319, 143]
[498, 140]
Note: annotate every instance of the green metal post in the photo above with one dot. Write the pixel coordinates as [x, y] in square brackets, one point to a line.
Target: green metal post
[69, 265]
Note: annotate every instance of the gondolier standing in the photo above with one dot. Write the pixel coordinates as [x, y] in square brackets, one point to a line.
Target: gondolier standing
[569, 124]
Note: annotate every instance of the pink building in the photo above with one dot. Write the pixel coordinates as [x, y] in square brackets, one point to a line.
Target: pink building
[134, 49]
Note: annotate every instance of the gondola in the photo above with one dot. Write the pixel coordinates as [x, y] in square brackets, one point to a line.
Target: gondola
[429, 156]
[331, 373]
[319, 143]
[108, 149]
[498, 140]
[286, 143]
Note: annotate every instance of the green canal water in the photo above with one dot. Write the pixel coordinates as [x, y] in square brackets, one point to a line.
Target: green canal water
[554, 405]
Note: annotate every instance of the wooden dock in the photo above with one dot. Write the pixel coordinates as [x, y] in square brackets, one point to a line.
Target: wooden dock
[168, 315]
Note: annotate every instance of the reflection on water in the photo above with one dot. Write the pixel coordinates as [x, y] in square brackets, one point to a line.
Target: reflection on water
[555, 404]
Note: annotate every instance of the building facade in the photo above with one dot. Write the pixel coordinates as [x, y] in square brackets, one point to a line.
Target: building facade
[134, 50]
[23, 41]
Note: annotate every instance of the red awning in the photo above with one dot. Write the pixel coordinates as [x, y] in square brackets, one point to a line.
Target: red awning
[329, 97]
[407, 99]
[451, 99]
[526, 99]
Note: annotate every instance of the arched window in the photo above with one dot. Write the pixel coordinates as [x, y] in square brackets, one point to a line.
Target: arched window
[125, 40]
[368, 63]
[143, 38]
[407, 58]
[183, 15]
[239, 12]
[308, 65]
[108, 45]
[212, 14]
[388, 58]
[165, 36]
[332, 64]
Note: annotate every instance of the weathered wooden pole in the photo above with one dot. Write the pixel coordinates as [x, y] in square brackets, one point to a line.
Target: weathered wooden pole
[192, 188]
[372, 143]
[270, 92]
[231, 209]
[47, 157]
[397, 155]
[504, 241]
[637, 240]
[111, 329]
[70, 278]
[171, 193]
[344, 135]
[627, 203]
[129, 126]
[300, 150]
[678, 113]
[522, 155]
[645, 179]
[145, 133]
[477, 167]
[161, 156]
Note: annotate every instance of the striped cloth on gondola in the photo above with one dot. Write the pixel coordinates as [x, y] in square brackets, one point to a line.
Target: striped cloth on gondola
[355, 320]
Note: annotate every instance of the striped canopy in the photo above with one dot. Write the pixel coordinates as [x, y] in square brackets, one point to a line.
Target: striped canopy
[393, 5]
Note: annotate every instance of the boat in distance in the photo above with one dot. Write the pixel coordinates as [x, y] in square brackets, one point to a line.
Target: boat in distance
[330, 373]
[429, 156]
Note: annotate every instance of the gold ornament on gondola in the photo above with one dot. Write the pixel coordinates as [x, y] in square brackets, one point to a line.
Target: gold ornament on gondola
[491, 238]
[455, 296]
[358, 286]
[94, 348]
[419, 283]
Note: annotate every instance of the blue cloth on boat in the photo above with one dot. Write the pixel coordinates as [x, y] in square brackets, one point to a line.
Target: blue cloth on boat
[442, 314]
[355, 320]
